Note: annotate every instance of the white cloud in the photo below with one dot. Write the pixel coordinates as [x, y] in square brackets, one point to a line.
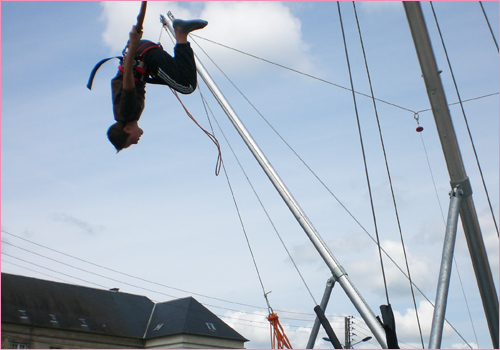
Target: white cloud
[254, 327]
[370, 276]
[265, 29]
[406, 324]
[407, 327]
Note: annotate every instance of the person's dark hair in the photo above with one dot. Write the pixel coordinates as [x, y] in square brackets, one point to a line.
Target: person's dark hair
[117, 136]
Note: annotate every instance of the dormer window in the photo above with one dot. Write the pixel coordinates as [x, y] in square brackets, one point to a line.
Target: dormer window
[53, 319]
[158, 327]
[83, 323]
[23, 315]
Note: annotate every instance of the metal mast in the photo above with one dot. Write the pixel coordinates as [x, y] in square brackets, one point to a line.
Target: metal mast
[456, 169]
[337, 271]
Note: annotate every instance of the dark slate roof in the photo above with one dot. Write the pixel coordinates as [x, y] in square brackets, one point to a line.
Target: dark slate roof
[42, 303]
[73, 307]
[187, 315]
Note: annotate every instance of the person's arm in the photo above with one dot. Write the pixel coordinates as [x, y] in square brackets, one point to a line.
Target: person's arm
[128, 63]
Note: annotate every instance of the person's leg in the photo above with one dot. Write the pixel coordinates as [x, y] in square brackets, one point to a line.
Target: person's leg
[178, 72]
[180, 36]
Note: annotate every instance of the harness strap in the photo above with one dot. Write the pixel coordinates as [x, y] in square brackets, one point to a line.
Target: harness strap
[141, 50]
[138, 72]
[96, 68]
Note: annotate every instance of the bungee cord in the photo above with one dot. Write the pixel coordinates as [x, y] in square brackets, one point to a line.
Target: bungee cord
[210, 136]
[316, 176]
[260, 202]
[388, 175]
[363, 154]
[489, 25]
[279, 339]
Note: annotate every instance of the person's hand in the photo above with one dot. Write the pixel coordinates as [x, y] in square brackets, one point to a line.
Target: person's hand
[134, 37]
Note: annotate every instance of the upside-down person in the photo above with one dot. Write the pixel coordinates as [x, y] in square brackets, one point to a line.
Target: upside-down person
[147, 62]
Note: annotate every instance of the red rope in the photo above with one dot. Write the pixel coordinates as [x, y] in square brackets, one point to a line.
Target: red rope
[210, 136]
[278, 335]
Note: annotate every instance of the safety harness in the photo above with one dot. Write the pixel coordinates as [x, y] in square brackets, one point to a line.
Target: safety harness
[140, 73]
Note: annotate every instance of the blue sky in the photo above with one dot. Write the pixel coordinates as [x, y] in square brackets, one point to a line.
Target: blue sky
[158, 212]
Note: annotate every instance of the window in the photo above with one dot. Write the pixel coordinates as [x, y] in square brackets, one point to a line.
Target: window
[53, 319]
[23, 315]
[83, 323]
[157, 328]
[211, 327]
[19, 346]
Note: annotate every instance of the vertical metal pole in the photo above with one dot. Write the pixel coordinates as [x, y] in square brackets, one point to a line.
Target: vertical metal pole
[337, 270]
[445, 272]
[455, 165]
[324, 302]
[347, 321]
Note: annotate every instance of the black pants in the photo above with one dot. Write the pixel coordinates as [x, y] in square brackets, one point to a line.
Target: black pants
[178, 72]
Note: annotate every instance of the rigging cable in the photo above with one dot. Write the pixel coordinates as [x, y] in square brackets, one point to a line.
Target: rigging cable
[261, 204]
[278, 336]
[388, 174]
[465, 119]
[489, 25]
[363, 153]
[463, 101]
[321, 181]
[329, 82]
[299, 72]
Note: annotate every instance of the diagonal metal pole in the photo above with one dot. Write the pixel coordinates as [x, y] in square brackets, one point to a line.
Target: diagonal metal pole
[445, 272]
[324, 302]
[337, 270]
[455, 165]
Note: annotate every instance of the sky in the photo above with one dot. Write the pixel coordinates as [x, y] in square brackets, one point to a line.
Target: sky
[155, 220]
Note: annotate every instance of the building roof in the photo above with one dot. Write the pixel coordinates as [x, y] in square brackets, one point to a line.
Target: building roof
[42, 303]
[171, 318]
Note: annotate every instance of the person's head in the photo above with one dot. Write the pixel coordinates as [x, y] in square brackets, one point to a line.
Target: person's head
[124, 135]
